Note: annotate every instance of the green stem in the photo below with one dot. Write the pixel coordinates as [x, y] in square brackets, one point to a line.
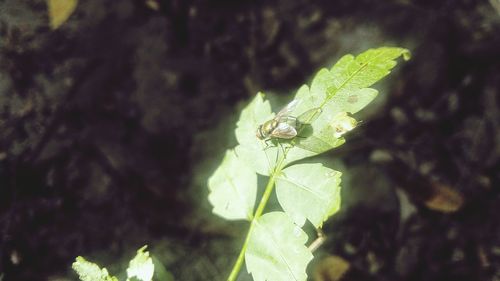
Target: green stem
[258, 213]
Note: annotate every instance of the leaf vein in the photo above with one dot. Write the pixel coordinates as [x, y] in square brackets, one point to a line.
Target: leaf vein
[298, 184]
[233, 186]
[279, 250]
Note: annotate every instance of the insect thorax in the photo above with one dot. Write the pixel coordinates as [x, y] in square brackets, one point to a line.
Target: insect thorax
[264, 130]
[269, 126]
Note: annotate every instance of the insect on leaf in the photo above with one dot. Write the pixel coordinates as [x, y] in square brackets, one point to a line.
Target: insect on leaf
[344, 88]
[312, 123]
[252, 150]
[276, 249]
[233, 188]
[309, 191]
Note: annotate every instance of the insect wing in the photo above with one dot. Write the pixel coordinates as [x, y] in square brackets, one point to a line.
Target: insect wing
[309, 116]
[290, 120]
[287, 109]
[284, 131]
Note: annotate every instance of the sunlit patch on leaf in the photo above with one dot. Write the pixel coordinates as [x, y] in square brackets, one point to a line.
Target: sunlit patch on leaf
[354, 101]
[354, 73]
[276, 249]
[233, 188]
[309, 116]
[344, 88]
[89, 271]
[343, 123]
[309, 191]
[141, 266]
[255, 152]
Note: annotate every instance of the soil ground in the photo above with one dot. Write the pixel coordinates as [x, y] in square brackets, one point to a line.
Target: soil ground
[111, 124]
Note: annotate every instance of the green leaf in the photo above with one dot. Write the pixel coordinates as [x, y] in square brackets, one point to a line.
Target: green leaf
[141, 266]
[315, 96]
[352, 101]
[259, 157]
[89, 271]
[344, 88]
[309, 191]
[255, 113]
[343, 123]
[353, 73]
[276, 250]
[161, 273]
[316, 136]
[233, 188]
[252, 150]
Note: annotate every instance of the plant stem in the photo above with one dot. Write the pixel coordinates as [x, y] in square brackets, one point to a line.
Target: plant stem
[258, 213]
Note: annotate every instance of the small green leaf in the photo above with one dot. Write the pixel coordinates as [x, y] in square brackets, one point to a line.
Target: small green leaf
[141, 266]
[89, 271]
[309, 191]
[233, 188]
[252, 150]
[276, 249]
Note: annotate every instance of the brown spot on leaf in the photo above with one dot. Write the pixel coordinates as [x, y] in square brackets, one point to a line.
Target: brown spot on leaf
[352, 99]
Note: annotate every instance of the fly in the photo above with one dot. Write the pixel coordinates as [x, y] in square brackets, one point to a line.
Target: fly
[282, 126]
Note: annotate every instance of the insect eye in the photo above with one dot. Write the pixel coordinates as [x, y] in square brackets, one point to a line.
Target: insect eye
[259, 132]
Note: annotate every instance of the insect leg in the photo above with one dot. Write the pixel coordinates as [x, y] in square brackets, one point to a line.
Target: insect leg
[282, 149]
[267, 143]
[277, 153]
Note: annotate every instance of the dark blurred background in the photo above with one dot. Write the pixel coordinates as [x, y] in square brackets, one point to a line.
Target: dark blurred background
[111, 124]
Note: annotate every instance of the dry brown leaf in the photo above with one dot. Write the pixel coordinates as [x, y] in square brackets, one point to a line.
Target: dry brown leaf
[153, 5]
[60, 11]
[331, 268]
[444, 199]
